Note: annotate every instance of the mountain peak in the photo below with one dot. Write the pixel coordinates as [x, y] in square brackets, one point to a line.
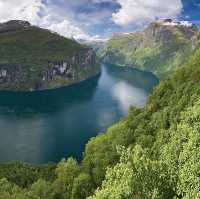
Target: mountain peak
[13, 25]
[17, 22]
[172, 22]
[161, 47]
[165, 29]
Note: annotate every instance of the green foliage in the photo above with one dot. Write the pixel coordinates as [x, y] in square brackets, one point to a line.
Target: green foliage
[136, 176]
[161, 53]
[40, 190]
[154, 152]
[118, 181]
[66, 172]
[9, 190]
[151, 129]
[174, 173]
[24, 174]
[82, 186]
[182, 153]
[33, 48]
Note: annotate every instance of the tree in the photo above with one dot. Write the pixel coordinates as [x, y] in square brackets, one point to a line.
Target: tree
[40, 190]
[10, 191]
[82, 186]
[66, 172]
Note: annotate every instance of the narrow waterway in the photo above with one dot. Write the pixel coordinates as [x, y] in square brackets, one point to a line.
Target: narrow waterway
[46, 126]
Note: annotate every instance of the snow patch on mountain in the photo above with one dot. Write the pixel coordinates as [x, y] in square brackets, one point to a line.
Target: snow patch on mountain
[171, 22]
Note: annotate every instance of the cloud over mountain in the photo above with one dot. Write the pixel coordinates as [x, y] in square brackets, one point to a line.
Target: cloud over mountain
[141, 11]
[39, 13]
[86, 19]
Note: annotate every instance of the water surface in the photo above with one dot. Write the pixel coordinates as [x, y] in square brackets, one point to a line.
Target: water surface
[46, 126]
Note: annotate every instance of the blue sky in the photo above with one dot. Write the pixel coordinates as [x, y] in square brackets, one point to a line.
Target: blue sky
[96, 16]
[191, 11]
[93, 19]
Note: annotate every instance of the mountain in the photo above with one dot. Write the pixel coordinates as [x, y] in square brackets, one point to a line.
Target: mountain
[153, 152]
[33, 58]
[162, 47]
[97, 45]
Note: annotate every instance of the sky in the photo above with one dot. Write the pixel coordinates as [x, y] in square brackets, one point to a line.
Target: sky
[97, 19]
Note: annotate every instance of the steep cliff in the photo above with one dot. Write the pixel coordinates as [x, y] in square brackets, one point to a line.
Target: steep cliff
[162, 47]
[36, 59]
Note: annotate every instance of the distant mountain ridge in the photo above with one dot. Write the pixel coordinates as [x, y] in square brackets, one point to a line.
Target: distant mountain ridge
[162, 47]
[33, 58]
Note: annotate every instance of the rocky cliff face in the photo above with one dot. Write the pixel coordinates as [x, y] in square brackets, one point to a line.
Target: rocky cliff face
[53, 71]
[36, 59]
[164, 31]
[160, 48]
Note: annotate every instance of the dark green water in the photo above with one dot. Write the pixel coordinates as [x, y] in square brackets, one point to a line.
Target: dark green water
[46, 126]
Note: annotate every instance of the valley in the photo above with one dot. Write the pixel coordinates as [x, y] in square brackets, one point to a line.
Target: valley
[133, 129]
[41, 127]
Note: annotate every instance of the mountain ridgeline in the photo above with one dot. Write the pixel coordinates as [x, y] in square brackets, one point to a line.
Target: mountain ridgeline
[33, 58]
[162, 47]
[154, 152]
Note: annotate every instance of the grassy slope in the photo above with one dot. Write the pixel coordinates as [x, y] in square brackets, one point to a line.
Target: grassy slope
[159, 57]
[32, 48]
[35, 46]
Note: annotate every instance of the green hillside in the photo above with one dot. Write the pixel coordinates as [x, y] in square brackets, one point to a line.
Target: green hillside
[152, 153]
[159, 48]
[29, 53]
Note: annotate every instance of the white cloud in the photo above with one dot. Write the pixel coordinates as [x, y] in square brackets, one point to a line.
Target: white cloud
[143, 11]
[65, 28]
[21, 9]
[40, 14]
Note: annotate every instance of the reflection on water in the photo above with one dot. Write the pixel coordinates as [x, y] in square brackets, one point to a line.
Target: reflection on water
[47, 101]
[128, 95]
[47, 126]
